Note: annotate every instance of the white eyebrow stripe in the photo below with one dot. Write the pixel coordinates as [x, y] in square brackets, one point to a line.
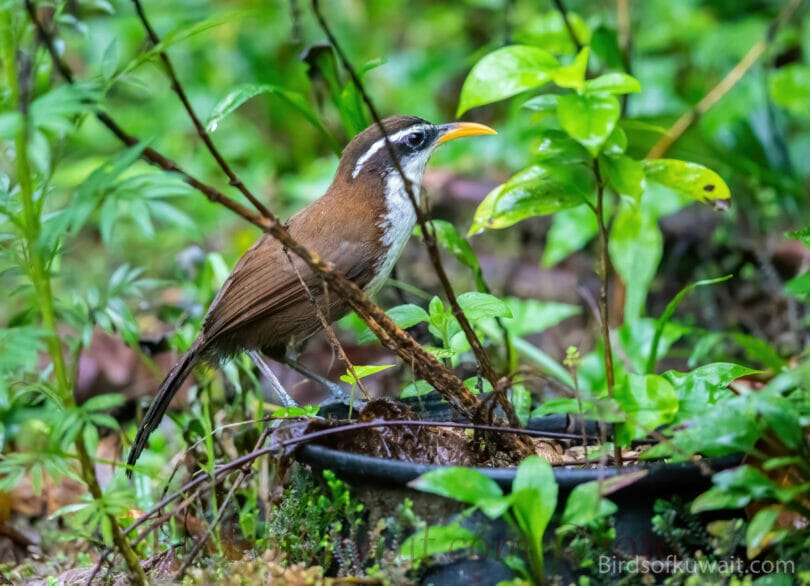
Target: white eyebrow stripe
[381, 143]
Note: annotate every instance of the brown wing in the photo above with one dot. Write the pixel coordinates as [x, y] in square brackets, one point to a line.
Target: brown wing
[262, 304]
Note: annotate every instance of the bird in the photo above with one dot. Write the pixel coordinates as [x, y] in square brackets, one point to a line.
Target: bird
[360, 225]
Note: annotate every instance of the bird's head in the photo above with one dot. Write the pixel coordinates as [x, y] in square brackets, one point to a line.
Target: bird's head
[413, 140]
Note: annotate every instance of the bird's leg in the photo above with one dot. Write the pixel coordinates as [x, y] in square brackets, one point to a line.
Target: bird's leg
[279, 392]
[338, 393]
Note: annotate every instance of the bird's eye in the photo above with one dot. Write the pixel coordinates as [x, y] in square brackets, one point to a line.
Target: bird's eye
[415, 139]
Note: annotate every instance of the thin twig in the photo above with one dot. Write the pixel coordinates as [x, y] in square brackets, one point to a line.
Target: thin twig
[428, 234]
[558, 4]
[604, 279]
[686, 120]
[198, 126]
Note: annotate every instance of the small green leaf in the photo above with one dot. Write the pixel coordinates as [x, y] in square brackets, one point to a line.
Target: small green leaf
[436, 539]
[613, 83]
[704, 386]
[550, 30]
[696, 181]
[624, 174]
[586, 505]
[478, 306]
[799, 286]
[504, 73]
[573, 75]
[363, 371]
[557, 148]
[589, 119]
[465, 485]
[538, 190]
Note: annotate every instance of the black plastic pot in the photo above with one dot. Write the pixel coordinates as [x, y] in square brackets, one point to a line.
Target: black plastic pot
[382, 484]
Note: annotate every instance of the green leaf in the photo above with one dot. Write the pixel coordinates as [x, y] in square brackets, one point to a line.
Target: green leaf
[570, 231]
[589, 119]
[543, 103]
[558, 148]
[696, 181]
[613, 83]
[449, 238]
[704, 386]
[243, 93]
[573, 75]
[649, 402]
[530, 316]
[416, 389]
[103, 402]
[405, 316]
[534, 498]
[586, 505]
[761, 533]
[465, 485]
[364, 371]
[436, 539]
[538, 190]
[799, 286]
[635, 248]
[734, 489]
[624, 174]
[478, 306]
[504, 73]
[790, 88]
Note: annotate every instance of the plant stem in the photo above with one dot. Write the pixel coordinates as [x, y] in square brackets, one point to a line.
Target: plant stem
[604, 268]
[40, 275]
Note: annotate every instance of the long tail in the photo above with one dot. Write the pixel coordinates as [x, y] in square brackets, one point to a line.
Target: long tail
[158, 407]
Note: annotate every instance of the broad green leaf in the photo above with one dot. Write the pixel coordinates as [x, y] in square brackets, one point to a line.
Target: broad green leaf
[363, 372]
[759, 350]
[734, 489]
[585, 505]
[613, 83]
[557, 148]
[790, 88]
[103, 402]
[405, 316]
[696, 181]
[649, 402]
[589, 119]
[436, 539]
[573, 75]
[465, 485]
[478, 306]
[538, 190]
[530, 316]
[704, 386]
[296, 411]
[243, 93]
[761, 532]
[570, 230]
[449, 238]
[624, 174]
[504, 73]
[635, 248]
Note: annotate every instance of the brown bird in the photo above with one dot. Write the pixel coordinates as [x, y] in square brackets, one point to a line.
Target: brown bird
[360, 225]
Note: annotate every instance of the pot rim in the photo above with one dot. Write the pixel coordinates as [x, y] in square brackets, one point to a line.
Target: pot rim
[381, 471]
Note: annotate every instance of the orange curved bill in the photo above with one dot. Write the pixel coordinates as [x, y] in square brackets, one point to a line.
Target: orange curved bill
[456, 130]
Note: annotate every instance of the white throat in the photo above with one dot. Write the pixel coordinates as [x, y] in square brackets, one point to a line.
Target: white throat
[399, 219]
